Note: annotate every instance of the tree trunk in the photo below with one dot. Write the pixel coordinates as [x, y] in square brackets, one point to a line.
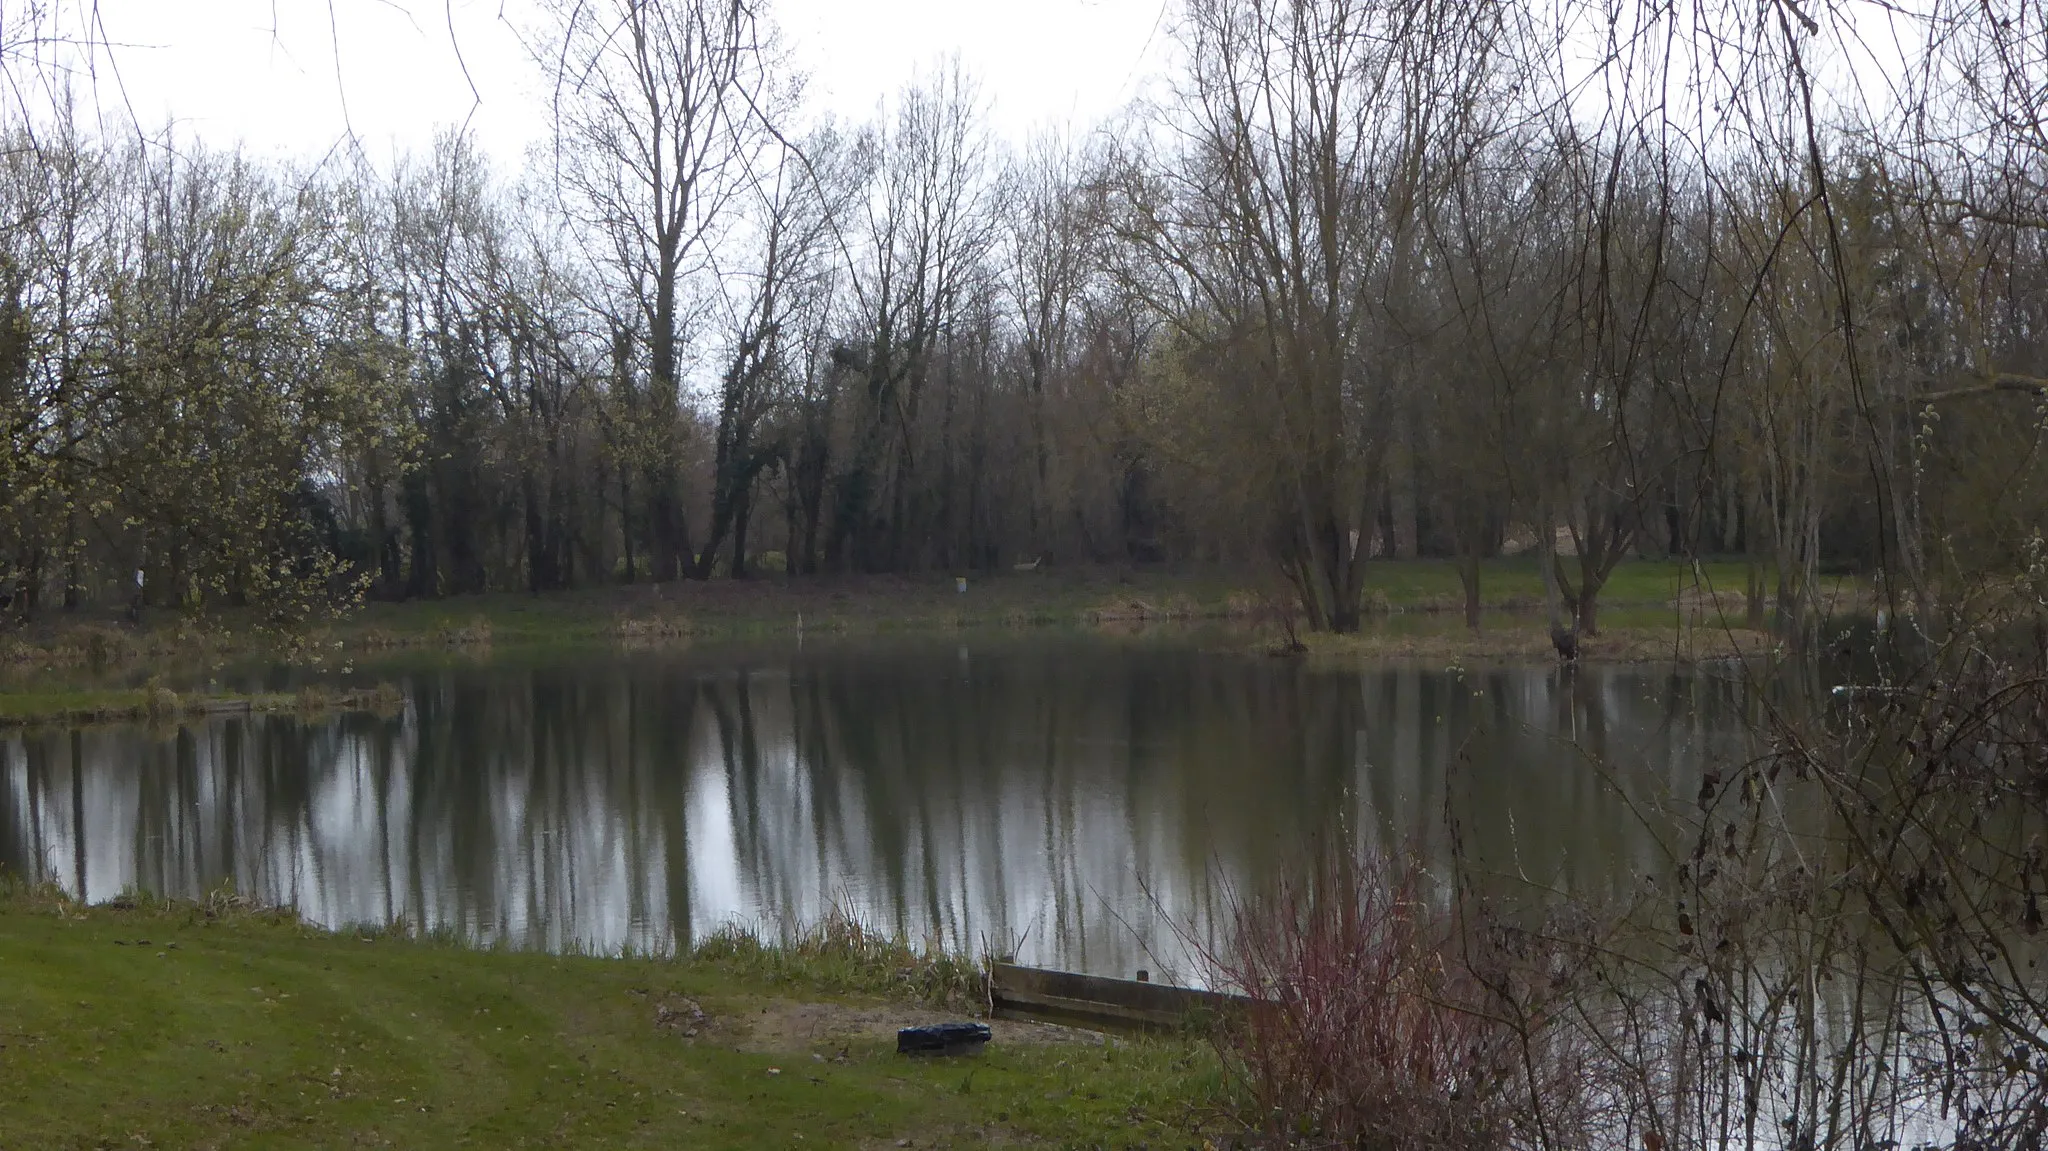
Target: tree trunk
[539, 578]
[1405, 506]
[383, 542]
[745, 501]
[1754, 590]
[424, 580]
[632, 566]
[1589, 602]
[72, 578]
[1546, 561]
[31, 584]
[1471, 527]
[1347, 619]
[790, 557]
[673, 553]
[1468, 575]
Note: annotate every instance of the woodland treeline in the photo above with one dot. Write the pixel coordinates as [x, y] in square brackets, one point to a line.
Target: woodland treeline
[1364, 279]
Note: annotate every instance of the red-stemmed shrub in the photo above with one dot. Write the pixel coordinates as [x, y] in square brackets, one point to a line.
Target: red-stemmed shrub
[1365, 1026]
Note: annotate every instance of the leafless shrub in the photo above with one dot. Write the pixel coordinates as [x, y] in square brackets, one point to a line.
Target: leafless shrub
[1842, 954]
[1369, 1025]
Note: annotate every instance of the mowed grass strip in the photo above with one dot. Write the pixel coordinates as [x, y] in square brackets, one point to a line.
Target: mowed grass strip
[172, 1025]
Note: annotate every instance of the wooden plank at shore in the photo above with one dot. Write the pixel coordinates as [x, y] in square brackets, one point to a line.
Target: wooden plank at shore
[1081, 1012]
[1094, 1000]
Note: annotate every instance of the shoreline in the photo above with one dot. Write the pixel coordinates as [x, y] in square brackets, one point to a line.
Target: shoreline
[81, 669]
[1699, 642]
[162, 705]
[1508, 641]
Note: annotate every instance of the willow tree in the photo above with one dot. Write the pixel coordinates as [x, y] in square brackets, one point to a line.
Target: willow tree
[1280, 214]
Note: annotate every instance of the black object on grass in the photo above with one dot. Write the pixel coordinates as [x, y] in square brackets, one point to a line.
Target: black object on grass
[941, 1039]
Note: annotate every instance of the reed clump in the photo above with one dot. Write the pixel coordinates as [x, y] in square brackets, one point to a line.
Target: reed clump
[160, 703]
[641, 629]
[841, 954]
[475, 633]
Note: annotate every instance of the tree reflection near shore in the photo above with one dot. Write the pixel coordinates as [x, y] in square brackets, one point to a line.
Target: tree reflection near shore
[1076, 801]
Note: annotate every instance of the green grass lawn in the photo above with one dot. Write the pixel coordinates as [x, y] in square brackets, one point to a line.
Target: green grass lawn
[770, 604]
[168, 1025]
[773, 605]
[1518, 582]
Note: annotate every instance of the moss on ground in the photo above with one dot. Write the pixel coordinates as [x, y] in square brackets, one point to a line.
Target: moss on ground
[214, 1024]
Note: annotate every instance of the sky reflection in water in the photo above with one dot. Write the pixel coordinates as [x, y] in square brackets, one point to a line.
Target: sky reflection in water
[1079, 800]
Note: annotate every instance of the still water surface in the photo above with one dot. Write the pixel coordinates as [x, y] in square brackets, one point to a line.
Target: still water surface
[1080, 800]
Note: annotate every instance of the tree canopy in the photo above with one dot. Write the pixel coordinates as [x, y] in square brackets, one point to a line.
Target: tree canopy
[1372, 279]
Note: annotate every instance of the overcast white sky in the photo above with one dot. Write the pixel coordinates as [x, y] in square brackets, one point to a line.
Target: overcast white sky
[267, 72]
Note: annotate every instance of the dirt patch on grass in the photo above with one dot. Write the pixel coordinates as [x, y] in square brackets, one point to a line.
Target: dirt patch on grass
[956, 1137]
[787, 1025]
[681, 1015]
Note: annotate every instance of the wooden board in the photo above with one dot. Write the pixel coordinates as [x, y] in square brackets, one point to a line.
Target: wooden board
[1048, 996]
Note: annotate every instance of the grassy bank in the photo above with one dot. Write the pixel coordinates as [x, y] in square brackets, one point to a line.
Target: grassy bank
[1057, 596]
[73, 668]
[722, 609]
[219, 1025]
[1525, 640]
[160, 704]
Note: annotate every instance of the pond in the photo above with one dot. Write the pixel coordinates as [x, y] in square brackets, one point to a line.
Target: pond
[1084, 801]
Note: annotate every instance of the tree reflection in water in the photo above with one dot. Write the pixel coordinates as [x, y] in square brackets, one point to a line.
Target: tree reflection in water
[1070, 798]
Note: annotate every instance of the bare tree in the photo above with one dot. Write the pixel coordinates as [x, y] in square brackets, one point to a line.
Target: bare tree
[787, 270]
[1284, 214]
[924, 249]
[1044, 246]
[661, 113]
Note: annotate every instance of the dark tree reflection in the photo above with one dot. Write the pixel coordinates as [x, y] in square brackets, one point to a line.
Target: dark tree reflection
[1069, 798]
